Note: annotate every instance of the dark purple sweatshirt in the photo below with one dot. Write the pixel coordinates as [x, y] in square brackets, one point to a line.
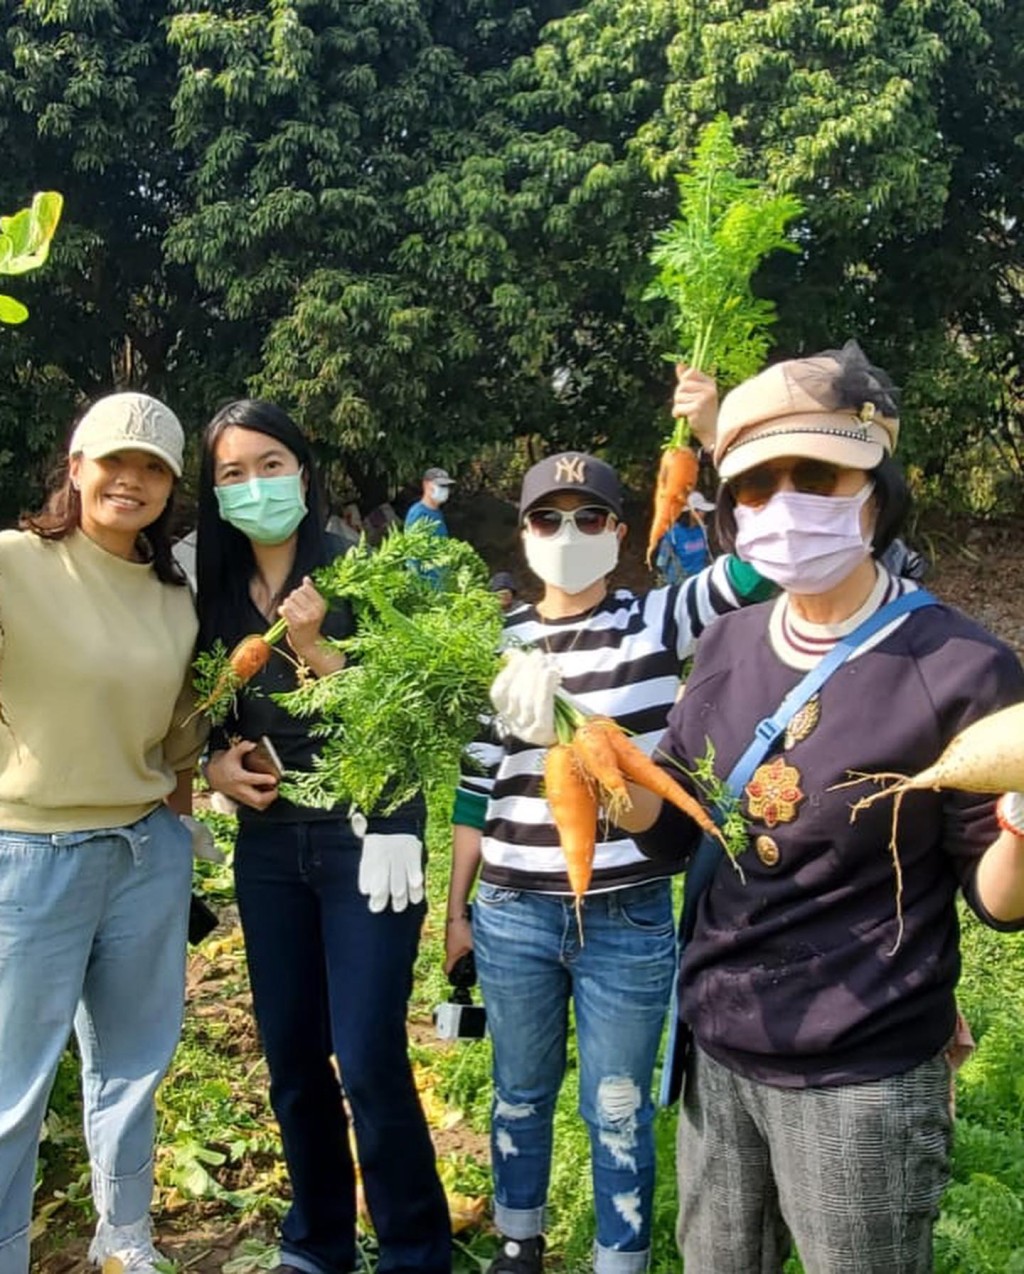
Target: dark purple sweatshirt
[799, 974]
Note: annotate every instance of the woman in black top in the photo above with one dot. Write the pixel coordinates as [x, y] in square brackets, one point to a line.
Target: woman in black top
[331, 912]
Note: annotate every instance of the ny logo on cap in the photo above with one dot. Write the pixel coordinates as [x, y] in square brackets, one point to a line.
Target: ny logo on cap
[570, 469]
[143, 421]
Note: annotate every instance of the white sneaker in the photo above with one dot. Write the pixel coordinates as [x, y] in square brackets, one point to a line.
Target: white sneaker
[131, 1244]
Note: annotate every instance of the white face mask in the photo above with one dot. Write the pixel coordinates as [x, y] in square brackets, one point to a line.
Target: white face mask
[570, 560]
[805, 543]
[438, 493]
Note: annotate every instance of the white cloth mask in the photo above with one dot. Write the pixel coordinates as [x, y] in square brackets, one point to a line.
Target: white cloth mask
[570, 560]
[438, 493]
[804, 543]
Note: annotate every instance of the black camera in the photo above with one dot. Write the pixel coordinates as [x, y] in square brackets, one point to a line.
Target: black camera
[459, 1018]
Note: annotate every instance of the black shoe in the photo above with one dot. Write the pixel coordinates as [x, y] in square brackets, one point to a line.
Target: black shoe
[519, 1256]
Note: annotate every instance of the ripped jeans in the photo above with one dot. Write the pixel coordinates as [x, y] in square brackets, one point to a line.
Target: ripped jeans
[530, 964]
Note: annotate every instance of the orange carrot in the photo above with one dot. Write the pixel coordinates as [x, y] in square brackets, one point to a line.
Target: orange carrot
[639, 767]
[250, 655]
[573, 801]
[677, 477]
[597, 756]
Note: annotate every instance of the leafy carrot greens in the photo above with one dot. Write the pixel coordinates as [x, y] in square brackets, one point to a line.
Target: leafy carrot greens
[707, 258]
[398, 718]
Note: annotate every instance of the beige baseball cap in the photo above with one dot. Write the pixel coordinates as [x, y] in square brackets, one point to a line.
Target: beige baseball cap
[833, 406]
[130, 421]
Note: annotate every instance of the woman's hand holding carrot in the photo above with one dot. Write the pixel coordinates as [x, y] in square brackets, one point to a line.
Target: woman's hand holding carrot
[226, 773]
[523, 694]
[304, 610]
[696, 400]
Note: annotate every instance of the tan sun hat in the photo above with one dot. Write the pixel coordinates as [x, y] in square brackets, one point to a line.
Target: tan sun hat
[130, 421]
[832, 406]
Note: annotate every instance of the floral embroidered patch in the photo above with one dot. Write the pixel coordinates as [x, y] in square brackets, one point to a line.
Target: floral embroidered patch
[774, 792]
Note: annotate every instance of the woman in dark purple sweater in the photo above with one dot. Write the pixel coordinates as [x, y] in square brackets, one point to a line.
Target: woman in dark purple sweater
[820, 994]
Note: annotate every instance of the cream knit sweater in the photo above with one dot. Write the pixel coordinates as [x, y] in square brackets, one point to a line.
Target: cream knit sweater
[94, 684]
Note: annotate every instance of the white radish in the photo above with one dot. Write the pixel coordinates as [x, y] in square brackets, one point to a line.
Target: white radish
[986, 756]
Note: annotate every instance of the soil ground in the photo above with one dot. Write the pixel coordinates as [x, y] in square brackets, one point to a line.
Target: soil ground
[979, 568]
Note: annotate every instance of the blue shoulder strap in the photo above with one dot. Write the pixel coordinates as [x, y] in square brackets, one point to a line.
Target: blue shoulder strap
[706, 858]
[709, 852]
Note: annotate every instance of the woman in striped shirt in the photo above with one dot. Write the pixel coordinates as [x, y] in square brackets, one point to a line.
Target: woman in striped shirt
[619, 655]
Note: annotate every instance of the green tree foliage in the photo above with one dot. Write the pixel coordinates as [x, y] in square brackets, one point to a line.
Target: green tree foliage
[322, 209]
[85, 107]
[426, 227]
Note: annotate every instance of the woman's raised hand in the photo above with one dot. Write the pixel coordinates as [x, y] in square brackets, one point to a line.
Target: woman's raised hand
[696, 398]
[304, 609]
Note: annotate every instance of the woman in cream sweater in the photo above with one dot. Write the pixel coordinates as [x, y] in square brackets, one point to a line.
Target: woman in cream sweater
[97, 750]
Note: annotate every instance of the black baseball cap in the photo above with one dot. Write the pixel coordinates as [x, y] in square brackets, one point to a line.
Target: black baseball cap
[503, 579]
[574, 472]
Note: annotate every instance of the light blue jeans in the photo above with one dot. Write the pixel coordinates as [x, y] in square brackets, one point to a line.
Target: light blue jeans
[531, 964]
[92, 934]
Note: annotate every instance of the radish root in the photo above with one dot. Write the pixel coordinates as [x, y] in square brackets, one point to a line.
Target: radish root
[899, 786]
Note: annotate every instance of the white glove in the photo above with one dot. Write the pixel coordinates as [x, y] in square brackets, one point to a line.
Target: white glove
[203, 844]
[390, 868]
[523, 694]
[1010, 809]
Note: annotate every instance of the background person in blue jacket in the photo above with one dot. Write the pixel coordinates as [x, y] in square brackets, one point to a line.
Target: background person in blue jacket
[437, 486]
[684, 550]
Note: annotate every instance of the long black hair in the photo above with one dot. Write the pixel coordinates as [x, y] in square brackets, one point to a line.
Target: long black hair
[225, 562]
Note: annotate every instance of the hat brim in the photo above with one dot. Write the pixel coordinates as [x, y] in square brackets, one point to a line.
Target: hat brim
[594, 496]
[860, 448]
[96, 451]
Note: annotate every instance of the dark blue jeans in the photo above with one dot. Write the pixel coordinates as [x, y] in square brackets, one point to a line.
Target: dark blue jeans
[328, 976]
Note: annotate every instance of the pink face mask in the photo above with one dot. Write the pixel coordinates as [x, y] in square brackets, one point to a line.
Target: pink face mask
[804, 543]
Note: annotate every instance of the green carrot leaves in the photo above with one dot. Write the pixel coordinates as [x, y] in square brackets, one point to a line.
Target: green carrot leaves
[728, 224]
[397, 719]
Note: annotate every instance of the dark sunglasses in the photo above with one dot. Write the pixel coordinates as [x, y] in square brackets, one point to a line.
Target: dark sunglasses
[589, 520]
[809, 477]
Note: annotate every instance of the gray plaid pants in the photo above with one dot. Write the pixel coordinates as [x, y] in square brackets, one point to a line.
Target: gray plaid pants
[854, 1173]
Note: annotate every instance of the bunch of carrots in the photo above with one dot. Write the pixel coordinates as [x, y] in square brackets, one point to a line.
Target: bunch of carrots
[586, 771]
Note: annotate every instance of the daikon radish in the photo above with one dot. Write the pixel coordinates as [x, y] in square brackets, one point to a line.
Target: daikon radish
[987, 756]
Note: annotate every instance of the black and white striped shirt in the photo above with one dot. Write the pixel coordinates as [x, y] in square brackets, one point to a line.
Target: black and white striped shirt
[621, 660]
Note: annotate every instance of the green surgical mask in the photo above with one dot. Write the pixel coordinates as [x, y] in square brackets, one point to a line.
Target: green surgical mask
[267, 510]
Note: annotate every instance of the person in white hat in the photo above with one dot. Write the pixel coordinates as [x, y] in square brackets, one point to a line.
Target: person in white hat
[684, 548]
[97, 751]
[436, 488]
[819, 982]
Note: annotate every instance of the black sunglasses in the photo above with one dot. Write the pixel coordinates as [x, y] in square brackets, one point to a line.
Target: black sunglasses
[809, 477]
[588, 520]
